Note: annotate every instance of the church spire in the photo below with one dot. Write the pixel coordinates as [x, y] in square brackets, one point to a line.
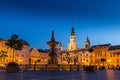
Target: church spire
[73, 29]
[72, 33]
[87, 40]
[87, 43]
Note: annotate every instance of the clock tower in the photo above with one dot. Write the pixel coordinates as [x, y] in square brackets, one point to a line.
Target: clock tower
[72, 43]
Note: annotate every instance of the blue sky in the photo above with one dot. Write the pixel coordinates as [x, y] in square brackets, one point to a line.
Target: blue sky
[33, 20]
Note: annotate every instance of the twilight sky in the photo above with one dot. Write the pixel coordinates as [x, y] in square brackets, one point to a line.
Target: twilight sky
[33, 21]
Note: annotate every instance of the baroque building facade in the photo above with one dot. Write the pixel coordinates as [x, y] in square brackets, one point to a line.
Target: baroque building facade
[20, 56]
[106, 55]
[25, 56]
[101, 55]
[38, 56]
[73, 54]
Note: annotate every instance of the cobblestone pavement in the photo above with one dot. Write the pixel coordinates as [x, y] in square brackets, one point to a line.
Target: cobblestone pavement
[61, 75]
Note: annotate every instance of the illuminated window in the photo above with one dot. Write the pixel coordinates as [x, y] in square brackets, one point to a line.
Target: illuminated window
[110, 55]
[87, 60]
[96, 55]
[117, 60]
[21, 55]
[113, 55]
[117, 55]
[81, 54]
[105, 54]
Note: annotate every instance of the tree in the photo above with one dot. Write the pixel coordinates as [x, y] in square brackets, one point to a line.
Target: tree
[67, 57]
[14, 43]
[91, 50]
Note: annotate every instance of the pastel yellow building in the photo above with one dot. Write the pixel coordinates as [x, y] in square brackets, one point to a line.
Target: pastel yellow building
[3, 47]
[25, 56]
[22, 56]
[38, 56]
[114, 56]
[100, 55]
[106, 55]
[19, 56]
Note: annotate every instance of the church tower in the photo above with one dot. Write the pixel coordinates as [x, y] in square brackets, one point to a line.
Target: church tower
[87, 43]
[72, 44]
[60, 48]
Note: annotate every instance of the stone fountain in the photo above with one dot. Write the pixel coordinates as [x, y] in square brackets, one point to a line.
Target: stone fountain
[52, 55]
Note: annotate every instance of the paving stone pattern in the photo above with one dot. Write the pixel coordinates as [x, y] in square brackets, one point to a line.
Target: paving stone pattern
[61, 75]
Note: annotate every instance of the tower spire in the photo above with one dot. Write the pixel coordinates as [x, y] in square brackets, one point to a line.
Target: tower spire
[87, 43]
[73, 32]
[87, 40]
[73, 29]
[72, 44]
